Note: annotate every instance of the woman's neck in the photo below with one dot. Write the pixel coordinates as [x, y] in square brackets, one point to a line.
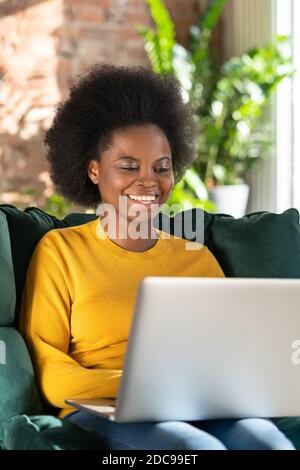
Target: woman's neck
[146, 237]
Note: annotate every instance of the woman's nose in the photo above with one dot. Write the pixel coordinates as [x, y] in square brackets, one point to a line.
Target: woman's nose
[148, 177]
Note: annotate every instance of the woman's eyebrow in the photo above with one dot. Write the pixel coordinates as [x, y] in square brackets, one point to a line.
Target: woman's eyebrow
[128, 157]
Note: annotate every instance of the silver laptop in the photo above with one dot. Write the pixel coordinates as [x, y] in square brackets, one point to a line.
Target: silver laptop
[208, 348]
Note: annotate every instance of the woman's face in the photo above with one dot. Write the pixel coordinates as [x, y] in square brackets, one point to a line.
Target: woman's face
[138, 163]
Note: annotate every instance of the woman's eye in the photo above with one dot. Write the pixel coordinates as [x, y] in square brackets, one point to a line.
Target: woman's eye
[129, 168]
[135, 168]
[162, 169]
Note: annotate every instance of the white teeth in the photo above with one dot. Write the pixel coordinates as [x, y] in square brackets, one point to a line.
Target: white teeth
[141, 198]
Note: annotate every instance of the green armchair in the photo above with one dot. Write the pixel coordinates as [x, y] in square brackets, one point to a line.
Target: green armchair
[260, 244]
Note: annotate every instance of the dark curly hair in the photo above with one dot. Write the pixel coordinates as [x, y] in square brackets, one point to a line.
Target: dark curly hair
[105, 100]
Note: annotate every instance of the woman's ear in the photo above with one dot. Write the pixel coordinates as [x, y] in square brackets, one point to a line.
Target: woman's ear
[93, 171]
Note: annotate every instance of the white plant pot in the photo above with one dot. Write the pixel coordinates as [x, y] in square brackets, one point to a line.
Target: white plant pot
[231, 199]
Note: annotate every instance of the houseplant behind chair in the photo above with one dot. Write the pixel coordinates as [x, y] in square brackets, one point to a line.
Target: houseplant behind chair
[228, 100]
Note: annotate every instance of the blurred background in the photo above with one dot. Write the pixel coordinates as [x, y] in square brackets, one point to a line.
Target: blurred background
[236, 61]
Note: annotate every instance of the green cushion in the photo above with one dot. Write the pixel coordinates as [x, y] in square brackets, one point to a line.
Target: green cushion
[261, 244]
[7, 280]
[24, 432]
[18, 391]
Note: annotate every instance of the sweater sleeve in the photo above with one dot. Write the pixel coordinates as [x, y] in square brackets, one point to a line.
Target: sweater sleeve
[45, 325]
[211, 267]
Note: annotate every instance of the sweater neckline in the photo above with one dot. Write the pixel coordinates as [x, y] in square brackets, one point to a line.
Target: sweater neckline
[160, 247]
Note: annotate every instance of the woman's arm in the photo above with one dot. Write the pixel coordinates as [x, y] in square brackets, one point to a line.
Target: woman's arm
[45, 326]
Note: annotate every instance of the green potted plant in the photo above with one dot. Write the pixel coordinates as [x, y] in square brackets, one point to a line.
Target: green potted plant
[228, 100]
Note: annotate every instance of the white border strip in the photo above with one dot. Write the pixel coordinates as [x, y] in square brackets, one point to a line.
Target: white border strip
[283, 115]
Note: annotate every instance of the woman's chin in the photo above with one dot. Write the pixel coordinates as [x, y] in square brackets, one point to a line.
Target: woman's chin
[140, 214]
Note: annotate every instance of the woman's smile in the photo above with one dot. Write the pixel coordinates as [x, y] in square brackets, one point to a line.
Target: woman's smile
[146, 200]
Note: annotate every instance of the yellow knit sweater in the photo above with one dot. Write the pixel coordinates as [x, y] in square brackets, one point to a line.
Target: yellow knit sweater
[78, 302]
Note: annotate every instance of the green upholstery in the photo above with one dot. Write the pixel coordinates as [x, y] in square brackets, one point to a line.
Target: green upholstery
[18, 392]
[261, 244]
[45, 433]
[291, 428]
[7, 281]
[257, 245]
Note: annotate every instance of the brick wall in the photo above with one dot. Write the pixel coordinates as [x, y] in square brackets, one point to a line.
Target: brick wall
[44, 45]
